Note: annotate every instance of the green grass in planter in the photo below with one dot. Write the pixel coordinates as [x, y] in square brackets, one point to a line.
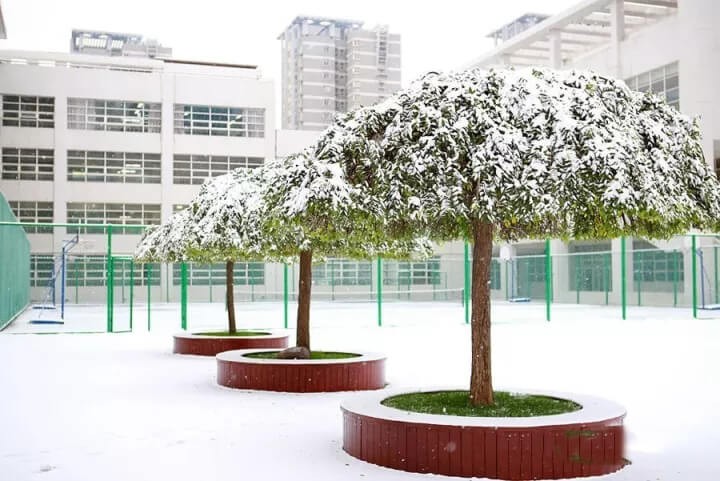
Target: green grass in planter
[234, 334]
[457, 403]
[313, 355]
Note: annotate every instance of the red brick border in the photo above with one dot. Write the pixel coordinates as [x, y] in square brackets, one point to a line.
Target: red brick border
[360, 373]
[589, 442]
[212, 345]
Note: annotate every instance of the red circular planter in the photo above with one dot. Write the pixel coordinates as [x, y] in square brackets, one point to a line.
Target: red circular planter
[212, 345]
[360, 373]
[588, 442]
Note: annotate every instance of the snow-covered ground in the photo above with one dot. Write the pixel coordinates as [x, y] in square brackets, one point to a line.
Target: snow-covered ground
[122, 407]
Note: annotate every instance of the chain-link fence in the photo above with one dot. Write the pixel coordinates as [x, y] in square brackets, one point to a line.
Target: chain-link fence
[71, 267]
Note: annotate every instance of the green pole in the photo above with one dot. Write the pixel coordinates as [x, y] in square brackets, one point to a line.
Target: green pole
[694, 277]
[606, 260]
[183, 296]
[466, 289]
[148, 277]
[285, 296]
[76, 280]
[639, 285]
[548, 280]
[109, 282]
[507, 280]
[623, 279]
[379, 291]
[132, 283]
[210, 284]
[715, 260]
[122, 283]
[676, 256]
[577, 280]
[332, 279]
[167, 283]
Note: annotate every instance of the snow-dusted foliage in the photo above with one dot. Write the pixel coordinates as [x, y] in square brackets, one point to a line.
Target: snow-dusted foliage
[312, 206]
[533, 152]
[223, 222]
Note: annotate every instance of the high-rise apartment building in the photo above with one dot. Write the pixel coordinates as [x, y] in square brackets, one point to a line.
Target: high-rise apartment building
[331, 65]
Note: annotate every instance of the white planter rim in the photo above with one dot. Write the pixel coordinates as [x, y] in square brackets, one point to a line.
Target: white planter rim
[238, 355]
[594, 409]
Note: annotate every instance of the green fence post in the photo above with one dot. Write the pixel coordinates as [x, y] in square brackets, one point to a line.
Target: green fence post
[132, 283]
[285, 296]
[623, 278]
[183, 296]
[507, 280]
[639, 283]
[148, 279]
[715, 261]
[332, 279]
[548, 279]
[210, 284]
[676, 256]
[694, 276]
[76, 280]
[168, 281]
[110, 281]
[466, 289]
[122, 283]
[379, 291]
[577, 279]
[607, 260]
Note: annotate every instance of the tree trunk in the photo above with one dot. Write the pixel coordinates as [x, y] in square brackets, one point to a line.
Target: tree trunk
[230, 297]
[481, 391]
[303, 312]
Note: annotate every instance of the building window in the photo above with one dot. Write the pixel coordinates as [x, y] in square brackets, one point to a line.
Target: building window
[27, 164]
[342, 272]
[114, 115]
[41, 269]
[195, 169]
[219, 121]
[35, 212]
[116, 167]
[590, 266]
[28, 111]
[412, 273]
[663, 81]
[122, 214]
[656, 269]
[244, 274]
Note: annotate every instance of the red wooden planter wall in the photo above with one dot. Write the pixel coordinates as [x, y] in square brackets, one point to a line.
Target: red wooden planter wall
[299, 376]
[542, 452]
[210, 346]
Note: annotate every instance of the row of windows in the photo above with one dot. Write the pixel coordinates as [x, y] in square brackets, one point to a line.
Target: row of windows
[27, 164]
[123, 167]
[663, 81]
[133, 116]
[195, 169]
[345, 272]
[90, 271]
[219, 121]
[113, 115]
[97, 213]
[28, 111]
[244, 274]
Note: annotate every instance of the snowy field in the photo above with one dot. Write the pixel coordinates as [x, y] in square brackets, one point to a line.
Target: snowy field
[122, 407]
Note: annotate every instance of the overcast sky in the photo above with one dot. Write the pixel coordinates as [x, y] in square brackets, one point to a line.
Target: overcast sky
[436, 35]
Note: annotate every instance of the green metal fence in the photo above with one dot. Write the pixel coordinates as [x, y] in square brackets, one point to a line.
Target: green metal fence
[99, 270]
[14, 267]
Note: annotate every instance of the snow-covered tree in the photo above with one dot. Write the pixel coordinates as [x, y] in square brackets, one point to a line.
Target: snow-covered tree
[313, 211]
[531, 153]
[221, 224]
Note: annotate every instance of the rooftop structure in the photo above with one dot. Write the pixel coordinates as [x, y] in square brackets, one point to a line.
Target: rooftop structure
[116, 44]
